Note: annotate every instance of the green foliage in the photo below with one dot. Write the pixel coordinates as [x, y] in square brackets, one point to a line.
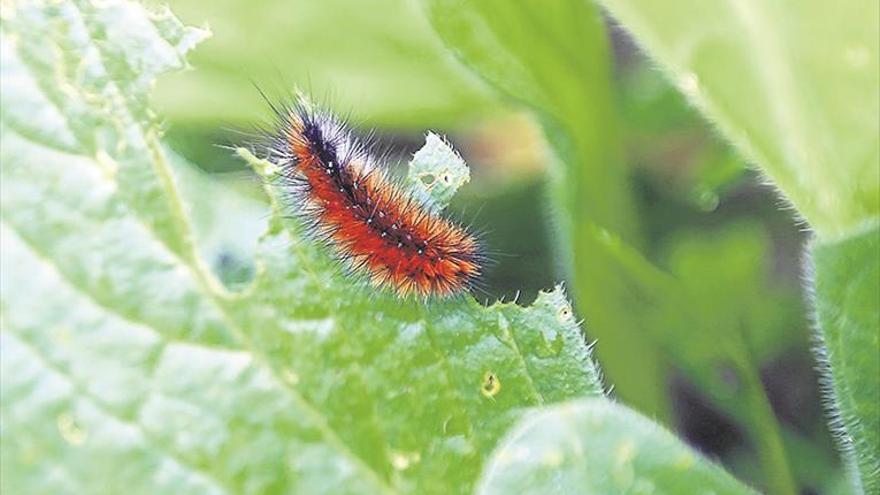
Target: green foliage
[597, 446]
[553, 58]
[669, 139]
[376, 59]
[797, 94]
[743, 321]
[714, 328]
[150, 343]
[127, 366]
[846, 294]
[792, 89]
[704, 314]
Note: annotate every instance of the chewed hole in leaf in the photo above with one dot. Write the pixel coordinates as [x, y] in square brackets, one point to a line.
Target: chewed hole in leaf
[564, 314]
[70, 430]
[404, 460]
[491, 385]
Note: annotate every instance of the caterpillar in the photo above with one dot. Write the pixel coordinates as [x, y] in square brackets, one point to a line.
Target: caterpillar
[349, 201]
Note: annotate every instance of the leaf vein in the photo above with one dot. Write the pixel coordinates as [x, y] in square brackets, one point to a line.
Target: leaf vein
[82, 391]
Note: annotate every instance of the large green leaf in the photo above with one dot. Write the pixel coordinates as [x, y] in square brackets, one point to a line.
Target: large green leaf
[847, 294]
[793, 86]
[597, 446]
[552, 57]
[127, 366]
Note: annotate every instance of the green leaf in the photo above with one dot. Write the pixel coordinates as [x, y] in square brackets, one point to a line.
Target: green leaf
[792, 86]
[436, 172]
[847, 288]
[552, 57]
[126, 366]
[376, 60]
[598, 446]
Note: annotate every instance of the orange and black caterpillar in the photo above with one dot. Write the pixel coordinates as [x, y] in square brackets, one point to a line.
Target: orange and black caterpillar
[372, 223]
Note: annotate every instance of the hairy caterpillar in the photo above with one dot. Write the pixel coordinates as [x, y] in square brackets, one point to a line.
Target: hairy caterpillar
[372, 223]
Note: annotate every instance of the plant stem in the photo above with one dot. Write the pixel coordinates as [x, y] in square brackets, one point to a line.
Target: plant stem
[766, 431]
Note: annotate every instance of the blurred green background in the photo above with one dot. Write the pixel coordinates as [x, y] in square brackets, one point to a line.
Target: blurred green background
[704, 216]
